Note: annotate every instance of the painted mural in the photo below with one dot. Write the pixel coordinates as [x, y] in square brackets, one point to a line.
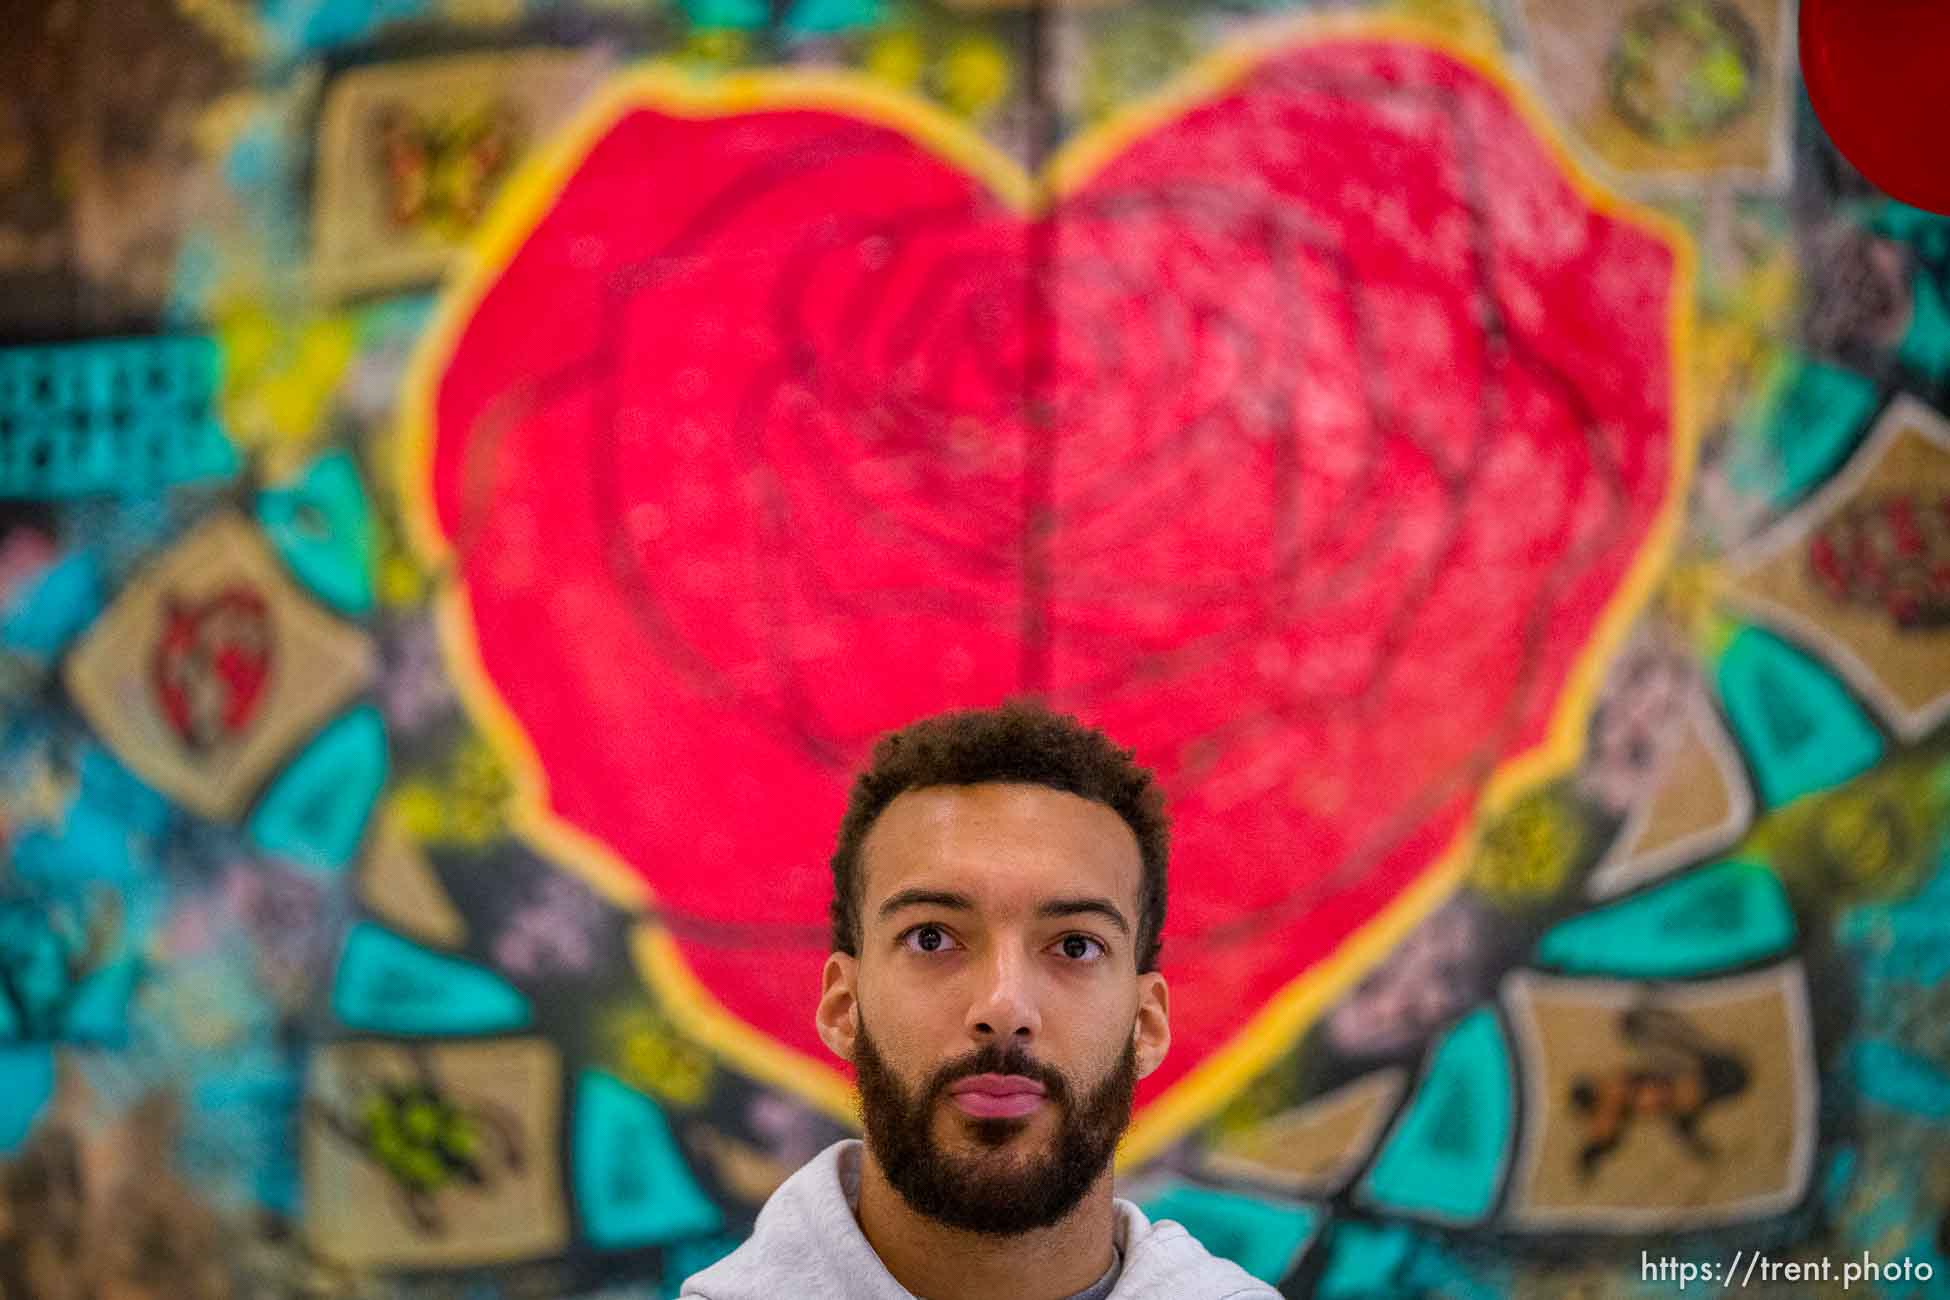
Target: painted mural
[475, 475]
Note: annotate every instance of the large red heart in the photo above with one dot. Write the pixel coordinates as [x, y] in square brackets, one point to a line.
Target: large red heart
[1304, 443]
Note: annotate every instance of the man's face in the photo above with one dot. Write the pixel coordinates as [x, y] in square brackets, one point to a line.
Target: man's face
[994, 1015]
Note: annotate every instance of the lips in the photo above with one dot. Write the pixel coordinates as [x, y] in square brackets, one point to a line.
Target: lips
[1351, 420]
[997, 1096]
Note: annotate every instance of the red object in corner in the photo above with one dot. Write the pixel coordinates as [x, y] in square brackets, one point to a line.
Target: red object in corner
[1875, 71]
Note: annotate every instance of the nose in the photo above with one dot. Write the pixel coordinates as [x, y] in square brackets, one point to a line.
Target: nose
[1004, 1008]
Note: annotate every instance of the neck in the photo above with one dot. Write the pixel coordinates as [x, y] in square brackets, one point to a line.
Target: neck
[938, 1262]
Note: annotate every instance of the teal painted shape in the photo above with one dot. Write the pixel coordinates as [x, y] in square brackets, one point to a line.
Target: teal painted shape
[120, 795]
[1265, 1237]
[1364, 1260]
[1708, 920]
[256, 158]
[197, 277]
[822, 17]
[99, 1013]
[315, 813]
[107, 833]
[1895, 1077]
[1930, 231]
[88, 845]
[36, 956]
[1447, 1152]
[1839, 1177]
[1800, 729]
[322, 526]
[298, 28]
[1902, 942]
[632, 1185]
[390, 985]
[253, 1104]
[1808, 423]
[62, 602]
[1926, 343]
[111, 417]
[745, 15]
[26, 1084]
[682, 1259]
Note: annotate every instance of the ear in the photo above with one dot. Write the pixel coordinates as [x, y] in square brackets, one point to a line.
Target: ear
[1152, 1032]
[837, 1018]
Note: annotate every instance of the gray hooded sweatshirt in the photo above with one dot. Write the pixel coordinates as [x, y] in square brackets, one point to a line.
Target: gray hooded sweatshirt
[808, 1246]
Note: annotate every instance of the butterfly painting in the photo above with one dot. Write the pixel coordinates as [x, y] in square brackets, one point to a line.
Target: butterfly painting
[438, 170]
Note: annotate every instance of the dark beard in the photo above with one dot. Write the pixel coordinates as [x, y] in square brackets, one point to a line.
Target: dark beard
[993, 1195]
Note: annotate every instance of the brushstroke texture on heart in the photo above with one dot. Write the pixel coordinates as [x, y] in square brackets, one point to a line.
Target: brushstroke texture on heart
[1304, 441]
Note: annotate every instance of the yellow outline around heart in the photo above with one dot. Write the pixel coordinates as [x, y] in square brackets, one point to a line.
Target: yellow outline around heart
[1280, 1022]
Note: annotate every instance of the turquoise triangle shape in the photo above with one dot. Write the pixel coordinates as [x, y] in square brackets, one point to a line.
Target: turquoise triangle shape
[1446, 1155]
[1894, 1076]
[632, 1185]
[26, 1081]
[61, 603]
[315, 812]
[1926, 345]
[1261, 1235]
[390, 985]
[819, 16]
[1709, 920]
[322, 526]
[1365, 1260]
[1813, 415]
[741, 14]
[100, 1010]
[1801, 730]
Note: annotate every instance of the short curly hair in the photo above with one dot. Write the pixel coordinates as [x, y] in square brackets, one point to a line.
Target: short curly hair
[1020, 741]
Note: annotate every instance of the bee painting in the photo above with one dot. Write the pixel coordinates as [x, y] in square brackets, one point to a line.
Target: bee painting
[1683, 1076]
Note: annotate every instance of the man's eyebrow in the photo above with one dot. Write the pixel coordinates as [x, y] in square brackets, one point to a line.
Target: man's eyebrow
[926, 898]
[1086, 907]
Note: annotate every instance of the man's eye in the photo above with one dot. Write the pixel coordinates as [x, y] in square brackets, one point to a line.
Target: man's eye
[927, 938]
[1080, 947]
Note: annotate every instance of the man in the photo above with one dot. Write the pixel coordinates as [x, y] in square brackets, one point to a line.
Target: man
[998, 893]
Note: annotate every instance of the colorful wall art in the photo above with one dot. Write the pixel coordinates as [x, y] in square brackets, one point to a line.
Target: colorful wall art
[476, 476]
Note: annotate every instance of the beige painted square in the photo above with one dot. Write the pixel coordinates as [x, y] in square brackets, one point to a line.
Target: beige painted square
[1570, 1030]
[1904, 672]
[317, 663]
[1571, 43]
[356, 1214]
[358, 245]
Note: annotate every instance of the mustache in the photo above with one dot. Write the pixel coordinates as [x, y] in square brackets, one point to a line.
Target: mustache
[995, 1059]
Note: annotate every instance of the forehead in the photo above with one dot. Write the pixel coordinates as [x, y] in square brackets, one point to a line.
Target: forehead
[991, 839]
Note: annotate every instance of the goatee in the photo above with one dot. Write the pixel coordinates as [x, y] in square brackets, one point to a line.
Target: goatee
[986, 1191]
